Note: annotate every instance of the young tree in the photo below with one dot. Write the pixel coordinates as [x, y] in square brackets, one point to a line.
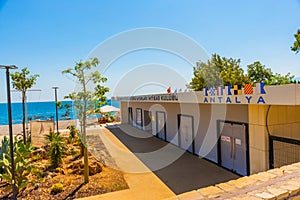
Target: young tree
[22, 81]
[296, 46]
[90, 93]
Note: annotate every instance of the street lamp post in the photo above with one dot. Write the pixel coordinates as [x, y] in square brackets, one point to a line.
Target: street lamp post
[11, 140]
[56, 109]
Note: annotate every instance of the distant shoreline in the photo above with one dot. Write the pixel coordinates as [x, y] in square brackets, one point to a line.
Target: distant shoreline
[17, 128]
[4, 102]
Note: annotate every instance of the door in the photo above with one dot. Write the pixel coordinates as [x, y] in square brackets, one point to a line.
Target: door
[139, 117]
[233, 144]
[161, 125]
[226, 146]
[147, 121]
[130, 115]
[186, 132]
[240, 149]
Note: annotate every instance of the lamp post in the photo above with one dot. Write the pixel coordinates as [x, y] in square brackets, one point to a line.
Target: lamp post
[11, 140]
[56, 109]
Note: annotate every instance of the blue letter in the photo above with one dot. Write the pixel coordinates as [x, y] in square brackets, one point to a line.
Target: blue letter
[236, 100]
[205, 91]
[260, 100]
[205, 100]
[228, 100]
[261, 86]
[248, 98]
[228, 90]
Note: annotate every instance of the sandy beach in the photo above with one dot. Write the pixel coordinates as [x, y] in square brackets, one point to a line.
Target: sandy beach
[17, 128]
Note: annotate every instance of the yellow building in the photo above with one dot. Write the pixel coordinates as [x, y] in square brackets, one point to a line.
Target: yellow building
[246, 130]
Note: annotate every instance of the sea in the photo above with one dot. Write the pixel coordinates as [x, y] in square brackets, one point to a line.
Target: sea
[40, 111]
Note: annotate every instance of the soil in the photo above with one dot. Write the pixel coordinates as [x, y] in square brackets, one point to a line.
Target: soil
[102, 178]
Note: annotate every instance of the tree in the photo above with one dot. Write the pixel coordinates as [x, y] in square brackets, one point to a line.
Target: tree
[232, 73]
[259, 73]
[88, 98]
[278, 79]
[218, 71]
[296, 46]
[22, 81]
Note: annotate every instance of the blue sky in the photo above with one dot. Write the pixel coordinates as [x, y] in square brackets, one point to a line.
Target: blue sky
[49, 36]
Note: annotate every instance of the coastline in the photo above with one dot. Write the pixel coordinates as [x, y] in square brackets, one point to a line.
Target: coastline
[17, 128]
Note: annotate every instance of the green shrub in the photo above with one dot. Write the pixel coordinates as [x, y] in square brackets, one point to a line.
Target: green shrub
[112, 118]
[73, 151]
[72, 130]
[23, 168]
[3, 150]
[73, 133]
[56, 148]
[57, 188]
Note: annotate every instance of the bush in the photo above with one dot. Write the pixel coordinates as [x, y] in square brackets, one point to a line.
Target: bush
[3, 150]
[73, 133]
[57, 188]
[76, 139]
[56, 148]
[23, 168]
[73, 152]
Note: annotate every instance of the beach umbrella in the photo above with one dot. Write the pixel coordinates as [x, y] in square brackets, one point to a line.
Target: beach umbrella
[107, 109]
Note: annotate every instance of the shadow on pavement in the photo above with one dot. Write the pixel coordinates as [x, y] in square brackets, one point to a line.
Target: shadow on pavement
[187, 172]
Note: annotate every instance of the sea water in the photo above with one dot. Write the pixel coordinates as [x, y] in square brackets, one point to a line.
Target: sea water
[40, 111]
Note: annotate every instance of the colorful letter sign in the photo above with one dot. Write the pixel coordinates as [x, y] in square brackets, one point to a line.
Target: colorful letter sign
[235, 94]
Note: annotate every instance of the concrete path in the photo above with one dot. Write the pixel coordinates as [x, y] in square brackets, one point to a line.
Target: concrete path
[179, 170]
[143, 184]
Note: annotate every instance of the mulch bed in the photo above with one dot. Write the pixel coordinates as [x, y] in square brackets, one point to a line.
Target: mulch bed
[107, 179]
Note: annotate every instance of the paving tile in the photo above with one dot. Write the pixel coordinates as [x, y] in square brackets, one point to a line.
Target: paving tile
[292, 187]
[276, 171]
[227, 187]
[211, 191]
[278, 192]
[192, 195]
[266, 196]
[248, 197]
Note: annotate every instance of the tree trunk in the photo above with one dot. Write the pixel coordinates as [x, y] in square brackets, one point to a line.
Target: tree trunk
[23, 111]
[85, 152]
[86, 165]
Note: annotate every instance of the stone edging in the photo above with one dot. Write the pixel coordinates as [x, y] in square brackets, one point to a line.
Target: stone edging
[279, 183]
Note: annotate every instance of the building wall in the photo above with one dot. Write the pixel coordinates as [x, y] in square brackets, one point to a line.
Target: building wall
[283, 121]
[281, 114]
[205, 121]
[207, 132]
[258, 138]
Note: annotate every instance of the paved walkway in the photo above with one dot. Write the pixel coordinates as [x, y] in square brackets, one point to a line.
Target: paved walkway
[143, 185]
[179, 170]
